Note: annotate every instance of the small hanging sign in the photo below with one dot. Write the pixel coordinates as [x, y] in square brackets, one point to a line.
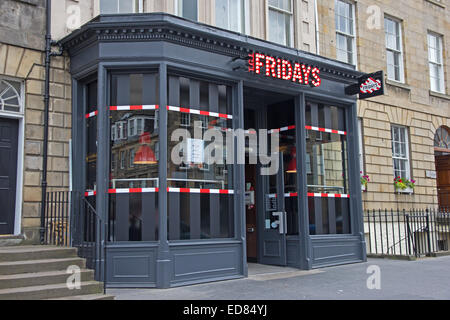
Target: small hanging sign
[368, 86]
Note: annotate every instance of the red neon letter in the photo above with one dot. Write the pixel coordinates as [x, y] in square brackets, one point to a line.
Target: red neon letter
[286, 71]
[315, 74]
[297, 73]
[270, 66]
[306, 72]
[251, 62]
[258, 62]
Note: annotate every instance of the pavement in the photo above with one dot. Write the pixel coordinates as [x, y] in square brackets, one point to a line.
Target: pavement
[423, 279]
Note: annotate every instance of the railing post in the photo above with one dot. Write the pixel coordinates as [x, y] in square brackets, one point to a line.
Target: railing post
[408, 233]
[428, 233]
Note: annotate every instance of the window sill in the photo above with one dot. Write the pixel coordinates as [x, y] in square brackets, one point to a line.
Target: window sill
[398, 84]
[436, 3]
[406, 191]
[439, 95]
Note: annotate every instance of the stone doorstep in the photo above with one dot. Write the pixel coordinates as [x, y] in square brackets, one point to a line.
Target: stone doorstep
[11, 240]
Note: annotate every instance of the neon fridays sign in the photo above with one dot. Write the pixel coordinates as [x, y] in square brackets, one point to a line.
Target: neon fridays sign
[283, 69]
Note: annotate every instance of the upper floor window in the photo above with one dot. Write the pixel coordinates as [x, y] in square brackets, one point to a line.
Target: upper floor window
[394, 50]
[120, 6]
[436, 63]
[230, 14]
[345, 31]
[280, 21]
[400, 152]
[187, 9]
[10, 96]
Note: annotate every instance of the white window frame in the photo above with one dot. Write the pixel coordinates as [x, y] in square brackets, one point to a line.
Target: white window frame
[407, 155]
[290, 40]
[348, 35]
[120, 130]
[136, 9]
[394, 50]
[439, 64]
[179, 6]
[242, 21]
[123, 159]
[132, 155]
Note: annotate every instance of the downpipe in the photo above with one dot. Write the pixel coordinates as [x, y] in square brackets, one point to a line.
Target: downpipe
[49, 43]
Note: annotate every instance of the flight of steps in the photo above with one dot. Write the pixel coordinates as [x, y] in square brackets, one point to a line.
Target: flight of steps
[39, 272]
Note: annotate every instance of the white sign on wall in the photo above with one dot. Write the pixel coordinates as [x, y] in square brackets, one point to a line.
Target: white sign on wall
[195, 151]
[431, 174]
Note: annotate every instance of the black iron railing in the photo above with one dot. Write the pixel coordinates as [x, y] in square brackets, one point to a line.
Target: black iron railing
[416, 232]
[71, 220]
[57, 224]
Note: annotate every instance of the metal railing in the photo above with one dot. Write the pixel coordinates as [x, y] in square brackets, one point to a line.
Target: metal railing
[416, 232]
[70, 220]
[57, 224]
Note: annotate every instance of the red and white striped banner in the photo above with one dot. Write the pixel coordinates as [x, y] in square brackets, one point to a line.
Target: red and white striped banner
[282, 129]
[200, 112]
[129, 108]
[125, 108]
[133, 190]
[343, 133]
[90, 193]
[328, 195]
[92, 114]
[287, 128]
[201, 191]
[313, 195]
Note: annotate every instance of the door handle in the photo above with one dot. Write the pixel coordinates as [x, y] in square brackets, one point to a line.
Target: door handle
[281, 221]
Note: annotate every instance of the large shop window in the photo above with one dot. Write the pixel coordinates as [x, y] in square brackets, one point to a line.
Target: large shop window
[134, 137]
[327, 169]
[200, 185]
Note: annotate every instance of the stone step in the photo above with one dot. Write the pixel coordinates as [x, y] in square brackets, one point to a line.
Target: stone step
[19, 253]
[33, 266]
[51, 291]
[87, 297]
[10, 240]
[41, 278]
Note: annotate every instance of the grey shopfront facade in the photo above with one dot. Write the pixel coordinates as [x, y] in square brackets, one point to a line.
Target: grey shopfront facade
[136, 80]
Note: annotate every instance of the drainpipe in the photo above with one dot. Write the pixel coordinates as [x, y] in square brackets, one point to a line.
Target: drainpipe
[48, 54]
[316, 20]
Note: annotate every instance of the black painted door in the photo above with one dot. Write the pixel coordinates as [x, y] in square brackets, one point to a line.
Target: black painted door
[8, 173]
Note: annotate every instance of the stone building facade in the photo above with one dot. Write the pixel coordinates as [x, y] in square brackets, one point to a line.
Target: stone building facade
[22, 57]
[409, 103]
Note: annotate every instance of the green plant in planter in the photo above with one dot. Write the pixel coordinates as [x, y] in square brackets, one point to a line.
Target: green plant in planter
[364, 179]
[403, 184]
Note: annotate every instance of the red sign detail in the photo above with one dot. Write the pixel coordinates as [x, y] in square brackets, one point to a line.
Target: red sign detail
[370, 86]
[284, 69]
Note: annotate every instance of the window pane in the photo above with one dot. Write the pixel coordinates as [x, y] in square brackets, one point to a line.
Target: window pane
[197, 161]
[133, 183]
[229, 14]
[108, 6]
[327, 170]
[188, 9]
[126, 6]
[279, 27]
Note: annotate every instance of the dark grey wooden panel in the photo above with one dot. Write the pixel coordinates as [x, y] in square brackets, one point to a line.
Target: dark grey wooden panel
[214, 209]
[205, 262]
[149, 217]
[174, 91]
[122, 216]
[318, 215]
[194, 206]
[194, 94]
[174, 215]
[149, 92]
[131, 267]
[314, 115]
[123, 89]
[345, 205]
[334, 250]
[332, 215]
[327, 117]
[213, 98]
